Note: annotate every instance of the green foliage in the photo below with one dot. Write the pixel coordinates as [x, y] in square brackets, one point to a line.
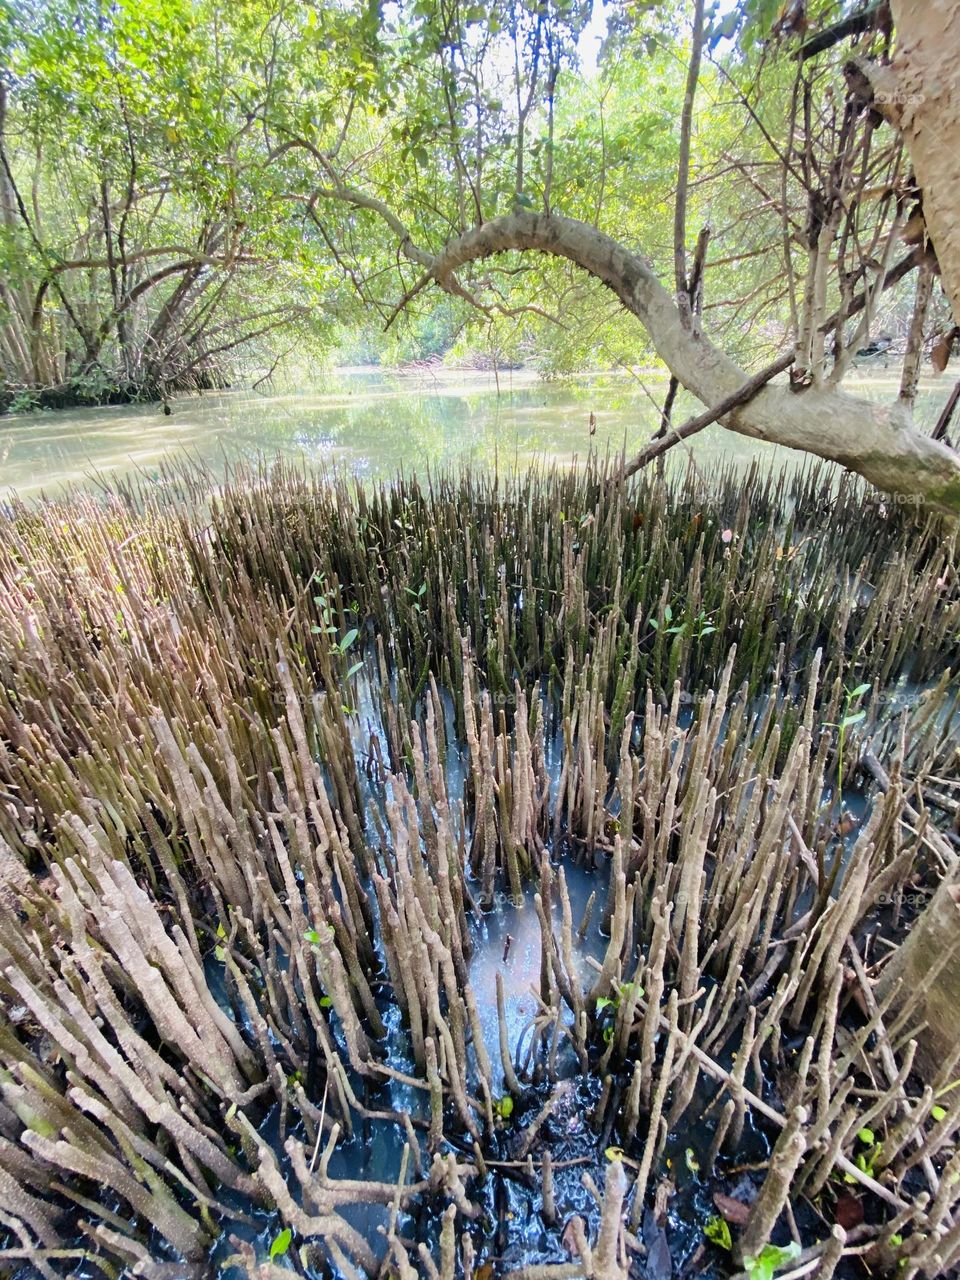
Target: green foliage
[771, 1259]
[24, 401]
[717, 1231]
[202, 184]
[281, 1243]
[866, 1159]
[698, 627]
[848, 718]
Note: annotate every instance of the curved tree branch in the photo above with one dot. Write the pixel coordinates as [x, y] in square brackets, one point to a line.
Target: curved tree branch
[879, 442]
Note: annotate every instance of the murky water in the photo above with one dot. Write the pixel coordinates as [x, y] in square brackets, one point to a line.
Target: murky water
[373, 424]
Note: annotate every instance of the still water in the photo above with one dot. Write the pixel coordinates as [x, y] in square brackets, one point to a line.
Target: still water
[372, 424]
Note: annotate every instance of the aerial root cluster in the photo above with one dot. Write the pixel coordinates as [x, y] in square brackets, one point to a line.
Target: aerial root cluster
[243, 884]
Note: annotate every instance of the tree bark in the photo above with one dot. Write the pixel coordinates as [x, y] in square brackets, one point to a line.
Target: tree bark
[879, 442]
[926, 106]
[927, 967]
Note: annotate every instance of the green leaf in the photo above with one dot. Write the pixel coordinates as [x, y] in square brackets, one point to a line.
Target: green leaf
[603, 1002]
[312, 936]
[860, 690]
[717, 1232]
[938, 1113]
[780, 1255]
[220, 953]
[614, 1154]
[690, 1156]
[281, 1243]
[357, 666]
[772, 1258]
[853, 719]
[867, 1136]
[325, 1002]
[348, 639]
[504, 1107]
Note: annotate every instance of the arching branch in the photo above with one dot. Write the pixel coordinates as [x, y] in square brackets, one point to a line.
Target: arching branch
[877, 441]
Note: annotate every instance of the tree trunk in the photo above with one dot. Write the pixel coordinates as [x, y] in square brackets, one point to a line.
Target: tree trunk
[927, 108]
[877, 441]
[921, 97]
[927, 966]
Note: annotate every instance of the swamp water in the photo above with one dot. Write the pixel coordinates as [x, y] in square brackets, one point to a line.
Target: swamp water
[373, 424]
[280, 779]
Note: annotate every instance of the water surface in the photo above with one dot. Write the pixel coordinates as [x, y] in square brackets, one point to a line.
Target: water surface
[374, 423]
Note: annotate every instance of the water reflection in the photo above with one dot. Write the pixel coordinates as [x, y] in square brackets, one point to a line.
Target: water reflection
[374, 424]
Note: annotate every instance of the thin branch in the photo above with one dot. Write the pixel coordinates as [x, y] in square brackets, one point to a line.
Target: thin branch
[733, 401]
[683, 169]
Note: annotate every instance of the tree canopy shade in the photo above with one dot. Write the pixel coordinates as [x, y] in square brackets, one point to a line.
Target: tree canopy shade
[180, 180]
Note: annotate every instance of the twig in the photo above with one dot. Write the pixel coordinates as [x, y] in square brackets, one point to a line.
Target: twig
[683, 173]
[734, 400]
[943, 422]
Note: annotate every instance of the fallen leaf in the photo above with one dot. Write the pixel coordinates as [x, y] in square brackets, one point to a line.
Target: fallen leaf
[942, 350]
[848, 1212]
[734, 1211]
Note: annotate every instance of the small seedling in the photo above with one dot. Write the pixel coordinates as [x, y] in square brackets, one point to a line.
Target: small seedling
[866, 1161]
[771, 1258]
[417, 596]
[849, 717]
[623, 992]
[717, 1232]
[697, 628]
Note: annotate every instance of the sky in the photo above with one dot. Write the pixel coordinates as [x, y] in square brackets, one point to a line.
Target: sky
[591, 39]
